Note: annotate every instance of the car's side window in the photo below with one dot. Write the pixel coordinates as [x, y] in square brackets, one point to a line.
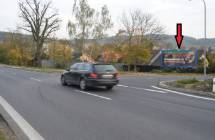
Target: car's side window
[87, 67]
[73, 67]
[80, 67]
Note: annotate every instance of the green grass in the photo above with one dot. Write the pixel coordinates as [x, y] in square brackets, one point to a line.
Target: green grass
[188, 81]
[45, 70]
[2, 137]
[130, 73]
[194, 84]
[37, 69]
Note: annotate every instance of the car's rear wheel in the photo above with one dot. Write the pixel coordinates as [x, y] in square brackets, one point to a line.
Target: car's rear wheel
[63, 81]
[83, 84]
[109, 87]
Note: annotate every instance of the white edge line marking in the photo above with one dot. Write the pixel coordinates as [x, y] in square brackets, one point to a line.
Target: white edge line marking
[180, 93]
[149, 89]
[35, 79]
[29, 131]
[94, 95]
[142, 88]
[122, 86]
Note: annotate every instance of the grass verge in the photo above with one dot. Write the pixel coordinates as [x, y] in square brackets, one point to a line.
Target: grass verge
[125, 73]
[45, 70]
[194, 84]
[5, 131]
[188, 81]
[2, 137]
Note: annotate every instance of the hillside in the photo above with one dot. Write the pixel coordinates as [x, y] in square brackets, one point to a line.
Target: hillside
[190, 41]
[166, 39]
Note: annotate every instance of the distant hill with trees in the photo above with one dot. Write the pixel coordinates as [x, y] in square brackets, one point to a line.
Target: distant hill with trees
[189, 41]
[165, 39]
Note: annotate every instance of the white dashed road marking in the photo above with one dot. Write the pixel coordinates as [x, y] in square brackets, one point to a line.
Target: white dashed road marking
[93, 95]
[38, 80]
[184, 94]
[139, 88]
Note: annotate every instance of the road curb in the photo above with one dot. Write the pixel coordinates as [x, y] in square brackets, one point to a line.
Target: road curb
[163, 84]
[7, 66]
[16, 122]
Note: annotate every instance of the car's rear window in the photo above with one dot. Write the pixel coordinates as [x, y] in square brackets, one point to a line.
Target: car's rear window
[104, 68]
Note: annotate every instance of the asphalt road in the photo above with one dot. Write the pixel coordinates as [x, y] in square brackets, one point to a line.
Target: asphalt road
[134, 110]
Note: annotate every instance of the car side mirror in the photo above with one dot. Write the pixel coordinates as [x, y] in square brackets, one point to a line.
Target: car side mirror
[68, 69]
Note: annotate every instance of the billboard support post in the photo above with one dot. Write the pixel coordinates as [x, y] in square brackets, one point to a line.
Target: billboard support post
[214, 85]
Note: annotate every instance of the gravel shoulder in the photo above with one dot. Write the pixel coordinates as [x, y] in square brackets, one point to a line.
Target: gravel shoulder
[5, 131]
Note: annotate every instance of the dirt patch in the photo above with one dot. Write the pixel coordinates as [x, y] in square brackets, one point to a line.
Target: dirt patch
[5, 132]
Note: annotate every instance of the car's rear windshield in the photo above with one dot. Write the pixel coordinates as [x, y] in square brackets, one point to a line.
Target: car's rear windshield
[104, 68]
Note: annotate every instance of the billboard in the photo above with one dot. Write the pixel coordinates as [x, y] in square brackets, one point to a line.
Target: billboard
[179, 58]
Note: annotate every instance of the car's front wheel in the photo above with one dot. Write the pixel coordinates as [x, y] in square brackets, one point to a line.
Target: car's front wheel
[63, 81]
[83, 84]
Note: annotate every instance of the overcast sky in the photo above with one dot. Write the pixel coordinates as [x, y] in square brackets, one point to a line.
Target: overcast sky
[167, 12]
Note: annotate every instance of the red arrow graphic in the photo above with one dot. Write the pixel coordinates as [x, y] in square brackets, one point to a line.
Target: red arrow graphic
[179, 37]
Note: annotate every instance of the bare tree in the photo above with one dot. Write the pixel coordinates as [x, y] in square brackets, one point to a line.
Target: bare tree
[102, 23]
[129, 25]
[80, 28]
[40, 22]
[120, 38]
[140, 29]
[147, 26]
[140, 25]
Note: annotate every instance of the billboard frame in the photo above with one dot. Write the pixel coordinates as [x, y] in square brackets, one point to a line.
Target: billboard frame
[182, 67]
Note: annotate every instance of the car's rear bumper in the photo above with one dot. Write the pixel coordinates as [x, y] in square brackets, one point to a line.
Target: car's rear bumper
[102, 82]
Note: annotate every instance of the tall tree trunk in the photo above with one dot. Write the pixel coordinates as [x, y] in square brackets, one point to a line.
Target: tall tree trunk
[38, 55]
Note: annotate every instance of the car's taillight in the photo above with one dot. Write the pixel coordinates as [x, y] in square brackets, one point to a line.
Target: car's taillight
[117, 75]
[93, 75]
